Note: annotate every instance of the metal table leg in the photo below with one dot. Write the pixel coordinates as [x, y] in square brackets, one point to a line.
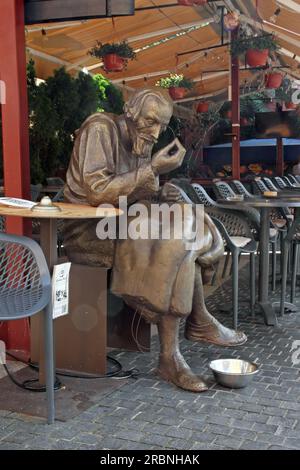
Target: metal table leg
[265, 305]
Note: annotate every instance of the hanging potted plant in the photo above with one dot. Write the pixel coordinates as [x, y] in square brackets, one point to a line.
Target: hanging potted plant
[176, 84]
[273, 80]
[285, 94]
[255, 48]
[202, 107]
[115, 55]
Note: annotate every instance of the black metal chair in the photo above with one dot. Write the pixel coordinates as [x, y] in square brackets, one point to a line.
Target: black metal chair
[239, 188]
[270, 185]
[238, 239]
[280, 183]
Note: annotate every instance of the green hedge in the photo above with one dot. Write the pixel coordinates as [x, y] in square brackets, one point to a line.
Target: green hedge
[57, 108]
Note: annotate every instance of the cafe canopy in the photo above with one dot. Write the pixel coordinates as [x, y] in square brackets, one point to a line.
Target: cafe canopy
[168, 37]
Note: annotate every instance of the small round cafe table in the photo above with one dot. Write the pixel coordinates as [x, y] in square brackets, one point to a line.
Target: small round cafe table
[48, 241]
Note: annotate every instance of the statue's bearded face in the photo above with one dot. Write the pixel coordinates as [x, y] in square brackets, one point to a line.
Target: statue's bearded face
[152, 120]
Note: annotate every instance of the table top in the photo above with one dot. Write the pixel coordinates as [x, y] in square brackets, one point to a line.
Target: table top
[261, 202]
[68, 211]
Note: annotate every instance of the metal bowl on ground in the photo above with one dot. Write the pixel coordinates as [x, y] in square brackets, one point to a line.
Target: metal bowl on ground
[233, 373]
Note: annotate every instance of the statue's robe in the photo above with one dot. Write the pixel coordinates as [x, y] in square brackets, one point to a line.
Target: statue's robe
[152, 275]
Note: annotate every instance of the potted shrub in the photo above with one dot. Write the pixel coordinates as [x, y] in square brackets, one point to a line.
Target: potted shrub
[255, 48]
[202, 107]
[176, 84]
[115, 55]
[273, 80]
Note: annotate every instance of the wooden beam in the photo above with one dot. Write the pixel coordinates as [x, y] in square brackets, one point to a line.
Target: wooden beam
[279, 157]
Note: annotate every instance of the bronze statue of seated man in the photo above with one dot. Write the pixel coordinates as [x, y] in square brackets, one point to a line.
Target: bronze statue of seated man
[112, 157]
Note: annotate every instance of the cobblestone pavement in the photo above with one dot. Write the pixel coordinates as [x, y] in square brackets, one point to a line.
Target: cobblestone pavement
[149, 414]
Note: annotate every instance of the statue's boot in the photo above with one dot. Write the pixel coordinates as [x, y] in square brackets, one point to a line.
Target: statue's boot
[172, 366]
[202, 326]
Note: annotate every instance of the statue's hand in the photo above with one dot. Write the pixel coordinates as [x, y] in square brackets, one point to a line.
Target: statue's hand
[169, 158]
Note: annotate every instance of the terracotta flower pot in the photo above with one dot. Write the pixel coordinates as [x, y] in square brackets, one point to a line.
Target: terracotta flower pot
[177, 93]
[113, 63]
[273, 80]
[256, 58]
[290, 105]
[202, 107]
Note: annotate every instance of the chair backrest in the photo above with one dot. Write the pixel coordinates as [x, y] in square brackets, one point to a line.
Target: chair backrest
[55, 181]
[260, 185]
[25, 283]
[35, 190]
[183, 196]
[280, 183]
[292, 179]
[223, 190]
[59, 196]
[287, 181]
[270, 185]
[202, 195]
[240, 188]
[233, 221]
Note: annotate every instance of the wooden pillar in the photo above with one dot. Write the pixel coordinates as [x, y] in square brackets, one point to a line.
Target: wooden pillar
[14, 133]
[235, 83]
[279, 157]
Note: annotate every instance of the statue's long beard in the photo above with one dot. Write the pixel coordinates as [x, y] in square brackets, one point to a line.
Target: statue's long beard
[141, 148]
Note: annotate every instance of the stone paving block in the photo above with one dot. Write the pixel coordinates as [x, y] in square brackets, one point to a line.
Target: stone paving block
[253, 445]
[218, 429]
[268, 428]
[292, 443]
[228, 442]
[180, 433]
[156, 440]
[244, 434]
[129, 435]
[242, 424]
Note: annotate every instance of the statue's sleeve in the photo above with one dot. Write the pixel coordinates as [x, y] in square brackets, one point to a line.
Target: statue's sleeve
[99, 151]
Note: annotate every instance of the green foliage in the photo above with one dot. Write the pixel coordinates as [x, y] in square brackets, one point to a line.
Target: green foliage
[57, 108]
[175, 80]
[244, 42]
[122, 49]
[110, 97]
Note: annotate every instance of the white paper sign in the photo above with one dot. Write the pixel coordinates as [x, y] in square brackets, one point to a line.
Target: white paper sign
[16, 202]
[60, 289]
